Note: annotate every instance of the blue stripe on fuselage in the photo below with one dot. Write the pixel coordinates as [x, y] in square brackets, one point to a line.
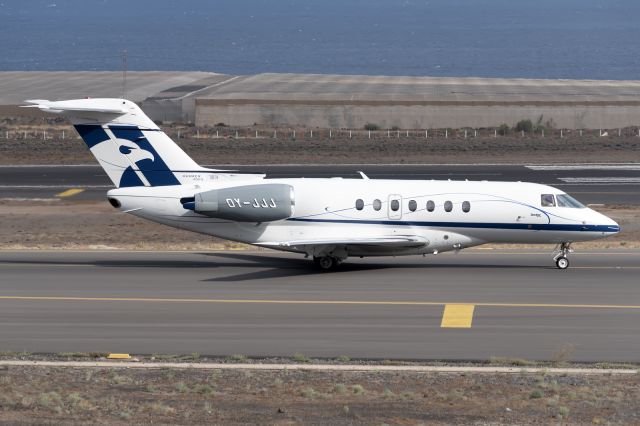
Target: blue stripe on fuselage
[476, 225]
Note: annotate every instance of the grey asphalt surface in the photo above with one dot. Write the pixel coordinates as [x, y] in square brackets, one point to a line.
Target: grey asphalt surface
[275, 304]
[591, 184]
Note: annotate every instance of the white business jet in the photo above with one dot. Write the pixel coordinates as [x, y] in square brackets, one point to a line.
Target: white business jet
[328, 219]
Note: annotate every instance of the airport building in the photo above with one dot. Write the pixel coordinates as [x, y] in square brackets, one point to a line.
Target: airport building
[343, 101]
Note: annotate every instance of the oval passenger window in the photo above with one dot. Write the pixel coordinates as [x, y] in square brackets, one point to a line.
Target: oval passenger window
[359, 204]
[377, 205]
[466, 206]
[431, 206]
[395, 205]
[413, 205]
[448, 206]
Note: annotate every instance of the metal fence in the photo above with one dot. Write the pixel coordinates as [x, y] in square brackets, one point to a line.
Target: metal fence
[359, 134]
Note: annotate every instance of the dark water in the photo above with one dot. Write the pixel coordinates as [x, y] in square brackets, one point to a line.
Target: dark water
[597, 39]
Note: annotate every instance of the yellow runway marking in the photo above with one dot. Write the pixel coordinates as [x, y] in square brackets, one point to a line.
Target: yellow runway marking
[318, 302]
[70, 192]
[457, 316]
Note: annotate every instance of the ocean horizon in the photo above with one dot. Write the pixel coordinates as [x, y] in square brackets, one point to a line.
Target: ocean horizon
[561, 39]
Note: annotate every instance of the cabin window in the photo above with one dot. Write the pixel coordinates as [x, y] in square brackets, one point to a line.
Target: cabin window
[395, 205]
[547, 200]
[377, 205]
[466, 206]
[431, 206]
[565, 200]
[448, 206]
[413, 205]
[359, 204]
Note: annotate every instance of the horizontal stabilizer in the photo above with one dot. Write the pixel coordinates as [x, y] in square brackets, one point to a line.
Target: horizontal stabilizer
[76, 106]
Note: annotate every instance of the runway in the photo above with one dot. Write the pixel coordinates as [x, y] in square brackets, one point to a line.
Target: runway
[474, 305]
[590, 183]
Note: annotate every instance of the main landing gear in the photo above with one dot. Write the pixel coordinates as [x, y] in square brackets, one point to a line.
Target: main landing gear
[326, 263]
[561, 254]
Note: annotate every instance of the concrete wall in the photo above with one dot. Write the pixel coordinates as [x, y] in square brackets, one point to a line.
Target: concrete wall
[415, 115]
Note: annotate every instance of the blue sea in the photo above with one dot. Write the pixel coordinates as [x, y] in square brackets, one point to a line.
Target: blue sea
[592, 39]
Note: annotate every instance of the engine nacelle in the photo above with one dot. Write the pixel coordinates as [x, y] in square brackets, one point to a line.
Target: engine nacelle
[250, 203]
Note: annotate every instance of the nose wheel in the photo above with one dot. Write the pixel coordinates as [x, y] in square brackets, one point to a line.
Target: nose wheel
[562, 262]
[561, 255]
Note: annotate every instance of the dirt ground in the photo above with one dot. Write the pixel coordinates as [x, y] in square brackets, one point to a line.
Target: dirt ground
[383, 147]
[55, 395]
[67, 224]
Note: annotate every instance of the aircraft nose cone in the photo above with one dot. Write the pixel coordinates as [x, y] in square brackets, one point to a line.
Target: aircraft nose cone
[612, 225]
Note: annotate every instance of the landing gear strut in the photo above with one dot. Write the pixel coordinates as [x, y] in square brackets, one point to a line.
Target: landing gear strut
[561, 254]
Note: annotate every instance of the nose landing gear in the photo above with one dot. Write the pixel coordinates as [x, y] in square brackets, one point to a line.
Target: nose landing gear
[561, 253]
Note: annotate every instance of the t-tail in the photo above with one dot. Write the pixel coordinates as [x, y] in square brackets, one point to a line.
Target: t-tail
[129, 146]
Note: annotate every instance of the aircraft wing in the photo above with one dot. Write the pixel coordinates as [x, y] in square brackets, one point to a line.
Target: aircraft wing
[390, 241]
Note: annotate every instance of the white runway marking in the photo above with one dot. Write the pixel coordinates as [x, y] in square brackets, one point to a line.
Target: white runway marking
[601, 180]
[633, 166]
[52, 186]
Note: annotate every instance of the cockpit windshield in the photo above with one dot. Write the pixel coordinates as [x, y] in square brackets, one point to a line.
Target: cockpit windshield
[565, 200]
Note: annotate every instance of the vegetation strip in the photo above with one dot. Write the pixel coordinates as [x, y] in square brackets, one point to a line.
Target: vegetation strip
[316, 367]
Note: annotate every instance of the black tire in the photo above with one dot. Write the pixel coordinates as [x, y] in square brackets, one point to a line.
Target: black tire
[325, 263]
[562, 262]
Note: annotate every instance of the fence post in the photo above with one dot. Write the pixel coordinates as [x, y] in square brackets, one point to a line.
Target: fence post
[465, 133]
[236, 134]
[369, 134]
[561, 135]
[388, 133]
[329, 133]
[311, 133]
[619, 132]
[398, 134]
[63, 134]
[543, 133]
[522, 133]
[349, 134]
[580, 132]
[44, 135]
[446, 133]
[275, 134]
[495, 133]
[475, 133]
[294, 133]
[426, 134]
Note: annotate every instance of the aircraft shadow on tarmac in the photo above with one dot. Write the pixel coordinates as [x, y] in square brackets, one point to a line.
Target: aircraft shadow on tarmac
[266, 267]
[289, 267]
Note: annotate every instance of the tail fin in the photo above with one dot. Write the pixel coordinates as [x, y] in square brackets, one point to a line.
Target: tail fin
[130, 147]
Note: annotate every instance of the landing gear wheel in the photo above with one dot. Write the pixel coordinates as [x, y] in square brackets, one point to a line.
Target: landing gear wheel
[325, 263]
[561, 253]
[562, 262]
